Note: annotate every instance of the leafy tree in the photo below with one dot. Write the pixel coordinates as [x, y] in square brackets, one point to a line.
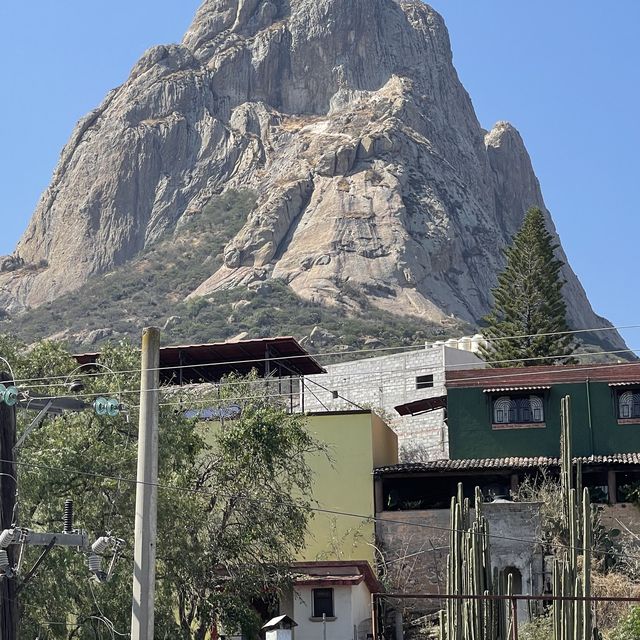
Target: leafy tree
[232, 513]
[528, 302]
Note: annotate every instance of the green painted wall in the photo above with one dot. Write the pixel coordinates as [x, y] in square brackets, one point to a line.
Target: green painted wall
[471, 434]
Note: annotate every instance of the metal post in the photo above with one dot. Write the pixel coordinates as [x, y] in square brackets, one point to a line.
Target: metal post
[324, 626]
[8, 601]
[374, 617]
[144, 569]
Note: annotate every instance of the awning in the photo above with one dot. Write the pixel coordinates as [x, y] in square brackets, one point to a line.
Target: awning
[422, 406]
[195, 363]
[512, 389]
[630, 383]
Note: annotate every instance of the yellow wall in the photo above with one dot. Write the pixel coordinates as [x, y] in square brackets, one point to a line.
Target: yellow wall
[357, 442]
[385, 443]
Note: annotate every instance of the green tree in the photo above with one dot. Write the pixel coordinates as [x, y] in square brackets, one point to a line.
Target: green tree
[233, 502]
[528, 302]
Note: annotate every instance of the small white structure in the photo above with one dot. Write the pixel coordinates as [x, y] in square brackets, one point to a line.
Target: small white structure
[332, 598]
[280, 628]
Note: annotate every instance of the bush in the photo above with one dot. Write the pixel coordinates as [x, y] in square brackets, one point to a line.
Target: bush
[540, 628]
[628, 628]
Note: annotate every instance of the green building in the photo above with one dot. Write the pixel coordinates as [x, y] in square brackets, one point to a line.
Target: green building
[497, 413]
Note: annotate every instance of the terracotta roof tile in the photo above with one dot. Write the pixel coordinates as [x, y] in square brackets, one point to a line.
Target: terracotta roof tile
[508, 463]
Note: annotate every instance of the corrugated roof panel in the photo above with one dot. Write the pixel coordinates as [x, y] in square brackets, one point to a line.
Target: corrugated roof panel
[422, 406]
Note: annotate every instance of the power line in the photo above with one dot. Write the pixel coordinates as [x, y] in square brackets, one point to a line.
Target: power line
[431, 368]
[509, 374]
[343, 353]
[327, 511]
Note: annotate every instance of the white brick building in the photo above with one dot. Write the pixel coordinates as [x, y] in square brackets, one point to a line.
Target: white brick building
[385, 382]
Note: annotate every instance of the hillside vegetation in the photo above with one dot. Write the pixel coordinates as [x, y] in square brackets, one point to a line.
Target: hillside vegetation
[151, 290]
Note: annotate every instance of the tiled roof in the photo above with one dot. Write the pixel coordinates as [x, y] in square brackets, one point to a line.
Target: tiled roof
[502, 463]
[518, 376]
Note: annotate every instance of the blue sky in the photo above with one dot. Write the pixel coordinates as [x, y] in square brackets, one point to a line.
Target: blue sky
[564, 72]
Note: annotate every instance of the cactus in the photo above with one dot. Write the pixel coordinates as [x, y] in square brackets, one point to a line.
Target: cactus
[469, 572]
[469, 568]
[572, 619]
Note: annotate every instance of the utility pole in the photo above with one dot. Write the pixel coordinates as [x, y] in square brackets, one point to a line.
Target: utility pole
[8, 478]
[144, 569]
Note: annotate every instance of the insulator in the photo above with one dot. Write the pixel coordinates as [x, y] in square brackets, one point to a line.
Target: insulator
[6, 538]
[4, 559]
[67, 519]
[100, 406]
[95, 563]
[113, 407]
[100, 545]
[9, 395]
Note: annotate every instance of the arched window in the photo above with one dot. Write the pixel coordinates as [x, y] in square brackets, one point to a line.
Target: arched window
[629, 404]
[502, 411]
[518, 410]
[516, 575]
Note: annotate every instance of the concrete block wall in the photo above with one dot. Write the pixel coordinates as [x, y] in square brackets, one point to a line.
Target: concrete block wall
[384, 382]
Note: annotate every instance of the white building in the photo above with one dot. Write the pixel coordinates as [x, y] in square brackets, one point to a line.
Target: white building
[385, 382]
[341, 590]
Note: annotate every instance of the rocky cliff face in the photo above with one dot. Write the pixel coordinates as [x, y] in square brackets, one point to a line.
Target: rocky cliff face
[349, 121]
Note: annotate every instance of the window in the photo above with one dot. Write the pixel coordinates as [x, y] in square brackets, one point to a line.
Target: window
[629, 404]
[518, 410]
[424, 382]
[323, 603]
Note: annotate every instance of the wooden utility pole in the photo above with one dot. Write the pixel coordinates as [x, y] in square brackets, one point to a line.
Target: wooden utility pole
[8, 479]
[144, 568]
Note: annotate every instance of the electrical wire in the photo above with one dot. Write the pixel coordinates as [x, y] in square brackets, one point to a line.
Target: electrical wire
[347, 514]
[508, 374]
[343, 353]
[426, 368]
[104, 618]
[13, 375]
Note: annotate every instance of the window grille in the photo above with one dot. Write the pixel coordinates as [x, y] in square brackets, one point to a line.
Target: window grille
[629, 404]
[518, 410]
[424, 382]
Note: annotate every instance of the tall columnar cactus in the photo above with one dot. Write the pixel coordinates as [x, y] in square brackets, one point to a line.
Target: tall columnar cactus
[572, 619]
[469, 572]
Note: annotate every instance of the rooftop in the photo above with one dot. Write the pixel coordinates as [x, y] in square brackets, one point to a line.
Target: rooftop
[501, 464]
[336, 572]
[184, 364]
[517, 376]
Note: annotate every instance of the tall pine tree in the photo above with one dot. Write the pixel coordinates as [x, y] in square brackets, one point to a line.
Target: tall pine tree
[528, 302]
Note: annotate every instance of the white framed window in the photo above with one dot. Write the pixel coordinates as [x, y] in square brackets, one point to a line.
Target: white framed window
[629, 404]
[518, 410]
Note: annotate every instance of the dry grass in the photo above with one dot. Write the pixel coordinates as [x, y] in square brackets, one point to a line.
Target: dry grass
[609, 614]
